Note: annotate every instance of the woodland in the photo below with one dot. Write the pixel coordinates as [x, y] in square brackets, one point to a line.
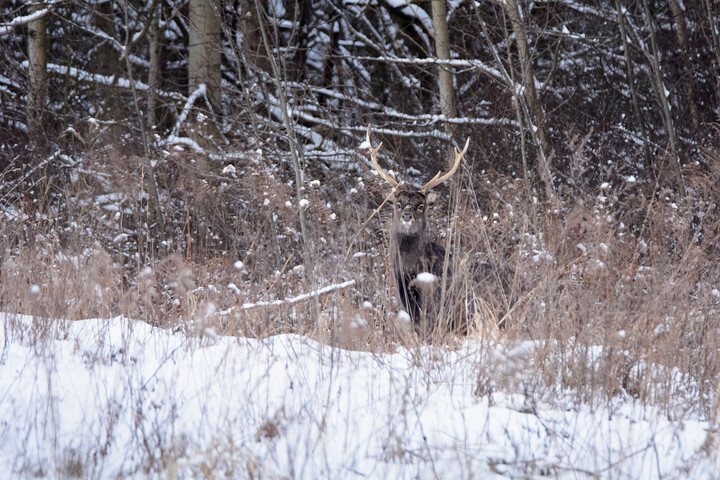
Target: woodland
[194, 177]
[175, 160]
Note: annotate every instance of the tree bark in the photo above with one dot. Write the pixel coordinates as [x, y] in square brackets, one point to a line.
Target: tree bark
[252, 41]
[682, 36]
[445, 75]
[37, 77]
[153, 74]
[716, 46]
[528, 73]
[205, 49]
[660, 92]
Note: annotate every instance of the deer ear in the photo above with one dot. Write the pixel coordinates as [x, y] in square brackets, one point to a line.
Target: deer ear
[431, 198]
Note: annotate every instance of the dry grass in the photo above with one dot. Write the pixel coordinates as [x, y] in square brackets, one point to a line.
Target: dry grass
[616, 283]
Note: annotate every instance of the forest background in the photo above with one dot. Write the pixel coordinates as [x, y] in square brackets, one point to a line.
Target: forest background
[201, 164]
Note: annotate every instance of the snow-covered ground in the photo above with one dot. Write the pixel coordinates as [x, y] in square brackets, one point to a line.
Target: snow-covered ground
[117, 398]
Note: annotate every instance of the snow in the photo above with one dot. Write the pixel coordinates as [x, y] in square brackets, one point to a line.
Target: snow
[8, 27]
[426, 277]
[299, 298]
[412, 10]
[123, 399]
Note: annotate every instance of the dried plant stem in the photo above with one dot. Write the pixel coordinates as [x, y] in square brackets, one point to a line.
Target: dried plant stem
[299, 176]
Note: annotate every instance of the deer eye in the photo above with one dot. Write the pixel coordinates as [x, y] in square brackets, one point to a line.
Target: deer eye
[420, 208]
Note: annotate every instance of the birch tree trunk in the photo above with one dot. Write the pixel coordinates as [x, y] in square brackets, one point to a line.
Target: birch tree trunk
[445, 75]
[205, 49]
[37, 77]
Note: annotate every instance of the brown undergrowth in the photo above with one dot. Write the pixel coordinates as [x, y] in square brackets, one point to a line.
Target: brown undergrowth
[614, 282]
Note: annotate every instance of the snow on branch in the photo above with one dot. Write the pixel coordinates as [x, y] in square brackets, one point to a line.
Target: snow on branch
[579, 7]
[109, 80]
[458, 63]
[299, 298]
[427, 119]
[200, 91]
[414, 11]
[6, 28]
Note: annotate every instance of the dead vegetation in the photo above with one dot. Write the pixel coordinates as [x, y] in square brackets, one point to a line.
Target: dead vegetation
[617, 280]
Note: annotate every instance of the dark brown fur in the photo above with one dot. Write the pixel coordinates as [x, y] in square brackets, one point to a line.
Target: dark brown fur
[468, 293]
[412, 252]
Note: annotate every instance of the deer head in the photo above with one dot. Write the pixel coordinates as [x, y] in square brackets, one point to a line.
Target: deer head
[410, 202]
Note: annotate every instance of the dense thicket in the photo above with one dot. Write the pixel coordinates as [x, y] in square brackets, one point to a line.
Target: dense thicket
[200, 164]
[345, 64]
[126, 133]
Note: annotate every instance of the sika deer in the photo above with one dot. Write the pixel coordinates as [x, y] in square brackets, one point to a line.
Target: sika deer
[417, 262]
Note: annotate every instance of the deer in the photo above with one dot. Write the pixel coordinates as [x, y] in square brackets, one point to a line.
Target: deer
[418, 264]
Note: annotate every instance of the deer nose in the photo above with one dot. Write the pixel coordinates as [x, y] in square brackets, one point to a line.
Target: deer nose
[407, 216]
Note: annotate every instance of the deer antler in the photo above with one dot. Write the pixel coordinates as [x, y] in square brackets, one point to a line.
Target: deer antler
[373, 158]
[437, 179]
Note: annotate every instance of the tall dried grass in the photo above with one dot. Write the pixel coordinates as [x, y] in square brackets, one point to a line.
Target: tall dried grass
[614, 282]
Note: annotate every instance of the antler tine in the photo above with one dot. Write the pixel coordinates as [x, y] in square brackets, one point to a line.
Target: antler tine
[437, 179]
[373, 158]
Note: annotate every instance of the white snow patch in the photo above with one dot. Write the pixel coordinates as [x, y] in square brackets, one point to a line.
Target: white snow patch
[426, 277]
[129, 400]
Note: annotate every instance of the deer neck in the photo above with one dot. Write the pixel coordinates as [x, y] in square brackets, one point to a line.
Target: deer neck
[409, 250]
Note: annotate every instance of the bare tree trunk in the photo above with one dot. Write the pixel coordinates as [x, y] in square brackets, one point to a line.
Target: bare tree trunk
[445, 75]
[105, 61]
[205, 49]
[660, 93]
[153, 74]
[37, 77]
[528, 73]
[631, 82]
[716, 46]
[253, 46]
[682, 36]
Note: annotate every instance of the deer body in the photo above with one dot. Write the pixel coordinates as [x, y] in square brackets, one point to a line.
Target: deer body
[411, 256]
[412, 252]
